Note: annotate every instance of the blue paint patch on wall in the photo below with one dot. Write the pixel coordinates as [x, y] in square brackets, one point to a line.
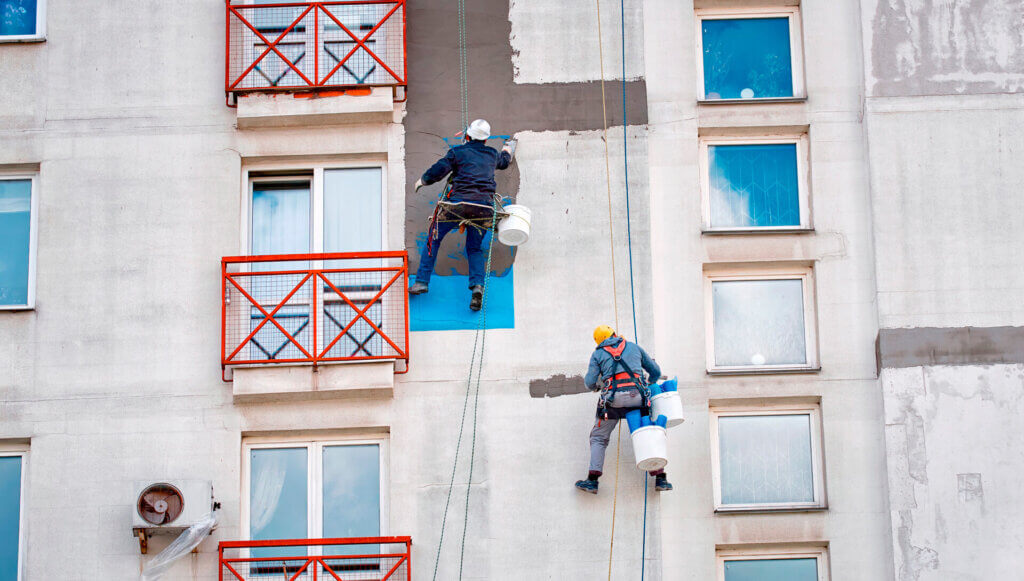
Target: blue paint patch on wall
[446, 306]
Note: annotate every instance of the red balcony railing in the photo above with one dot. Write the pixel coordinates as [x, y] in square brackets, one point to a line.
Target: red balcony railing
[362, 559]
[315, 308]
[315, 45]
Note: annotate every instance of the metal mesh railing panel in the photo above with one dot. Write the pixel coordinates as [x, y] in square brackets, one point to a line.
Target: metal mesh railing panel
[315, 45]
[354, 561]
[315, 310]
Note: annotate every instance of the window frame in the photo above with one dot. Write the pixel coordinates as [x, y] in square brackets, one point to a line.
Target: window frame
[33, 234]
[817, 455]
[765, 553]
[802, 143]
[22, 452]
[796, 50]
[301, 171]
[776, 272]
[314, 475]
[40, 34]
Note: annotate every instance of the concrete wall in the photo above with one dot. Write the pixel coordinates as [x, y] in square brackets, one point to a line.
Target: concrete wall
[942, 108]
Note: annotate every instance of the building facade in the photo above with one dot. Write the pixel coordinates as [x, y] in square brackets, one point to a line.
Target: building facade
[804, 210]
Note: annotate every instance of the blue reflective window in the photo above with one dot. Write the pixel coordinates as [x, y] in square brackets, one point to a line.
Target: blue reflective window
[15, 229]
[766, 459]
[17, 17]
[10, 516]
[772, 570]
[753, 185]
[747, 58]
[278, 493]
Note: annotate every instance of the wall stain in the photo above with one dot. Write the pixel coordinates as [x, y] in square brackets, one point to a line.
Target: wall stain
[936, 47]
[915, 559]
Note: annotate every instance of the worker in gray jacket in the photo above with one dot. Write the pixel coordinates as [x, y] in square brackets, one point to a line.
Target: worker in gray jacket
[618, 365]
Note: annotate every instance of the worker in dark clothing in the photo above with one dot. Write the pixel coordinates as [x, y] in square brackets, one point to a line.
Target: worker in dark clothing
[472, 166]
[624, 391]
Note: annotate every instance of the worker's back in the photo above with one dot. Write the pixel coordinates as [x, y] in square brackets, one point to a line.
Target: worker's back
[472, 166]
[602, 363]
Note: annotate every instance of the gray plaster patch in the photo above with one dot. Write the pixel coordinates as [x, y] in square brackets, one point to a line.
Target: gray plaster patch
[949, 346]
[969, 488]
[557, 385]
[434, 110]
[915, 559]
[934, 47]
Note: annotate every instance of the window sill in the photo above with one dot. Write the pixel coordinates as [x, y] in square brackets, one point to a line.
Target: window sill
[756, 231]
[764, 371]
[17, 308]
[763, 510]
[751, 101]
[21, 39]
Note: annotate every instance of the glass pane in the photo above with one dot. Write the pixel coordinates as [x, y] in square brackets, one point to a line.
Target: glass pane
[280, 218]
[765, 459]
[759, 322]
[772, 570]
[351, 489]
[753, 185]
[10, 515]
[747, 58]
[17, 17]
[352, 210]
[278, 494]
[15, 223]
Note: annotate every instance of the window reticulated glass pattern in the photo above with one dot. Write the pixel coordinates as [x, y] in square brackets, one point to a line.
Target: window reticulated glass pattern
[746, 58]
[15, 242]
[17, 17]
[10, 516]
[772, 570]
[765, 459]
[753, 186]
[759, 322]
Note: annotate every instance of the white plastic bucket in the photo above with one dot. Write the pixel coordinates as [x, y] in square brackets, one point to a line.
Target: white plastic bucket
[514, 229]
[668, 404]
[650, 446]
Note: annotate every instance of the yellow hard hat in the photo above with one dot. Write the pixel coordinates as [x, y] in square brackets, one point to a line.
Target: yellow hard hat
[602, 332]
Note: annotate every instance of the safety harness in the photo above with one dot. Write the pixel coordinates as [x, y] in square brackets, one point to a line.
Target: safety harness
[623, 380]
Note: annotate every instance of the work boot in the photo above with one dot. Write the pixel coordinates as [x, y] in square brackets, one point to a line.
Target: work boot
[587, 486]
[418, 288]
[661, 483]
[478, 298]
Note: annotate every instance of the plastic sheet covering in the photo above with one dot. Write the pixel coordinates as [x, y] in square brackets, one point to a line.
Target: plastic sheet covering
[181, 546]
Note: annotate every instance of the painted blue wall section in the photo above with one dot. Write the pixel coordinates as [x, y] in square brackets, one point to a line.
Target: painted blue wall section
[446, 306]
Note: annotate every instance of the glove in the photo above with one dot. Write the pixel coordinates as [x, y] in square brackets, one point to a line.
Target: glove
[419, 184]
[510, 146]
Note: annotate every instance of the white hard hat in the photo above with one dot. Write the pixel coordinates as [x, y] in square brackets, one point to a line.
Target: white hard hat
[479, 130]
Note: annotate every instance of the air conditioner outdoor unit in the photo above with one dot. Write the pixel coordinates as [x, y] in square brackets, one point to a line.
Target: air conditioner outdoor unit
[169, 506]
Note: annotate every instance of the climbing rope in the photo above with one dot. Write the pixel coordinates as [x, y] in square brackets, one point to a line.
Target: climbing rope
[480, 336]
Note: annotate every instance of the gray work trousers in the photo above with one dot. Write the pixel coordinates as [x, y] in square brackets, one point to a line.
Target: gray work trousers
[601, 433]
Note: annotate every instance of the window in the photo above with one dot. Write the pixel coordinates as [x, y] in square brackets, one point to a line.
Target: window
[760, 320]
[12, 516]
[790, 564]
[767, 458]
[22, 20]
[749, 55]
[752, 184]
[313, 489]
[324, 209]
[17, 241]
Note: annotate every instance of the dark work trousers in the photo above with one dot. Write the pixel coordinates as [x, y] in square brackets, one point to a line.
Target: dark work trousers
[624, 401]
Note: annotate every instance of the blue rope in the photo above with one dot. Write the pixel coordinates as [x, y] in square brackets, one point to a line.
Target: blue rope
[629, 242]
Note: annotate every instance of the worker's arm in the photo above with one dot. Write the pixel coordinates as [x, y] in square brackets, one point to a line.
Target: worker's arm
[504, 158]
[593, 375]
[441, 168]
[650, 366]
